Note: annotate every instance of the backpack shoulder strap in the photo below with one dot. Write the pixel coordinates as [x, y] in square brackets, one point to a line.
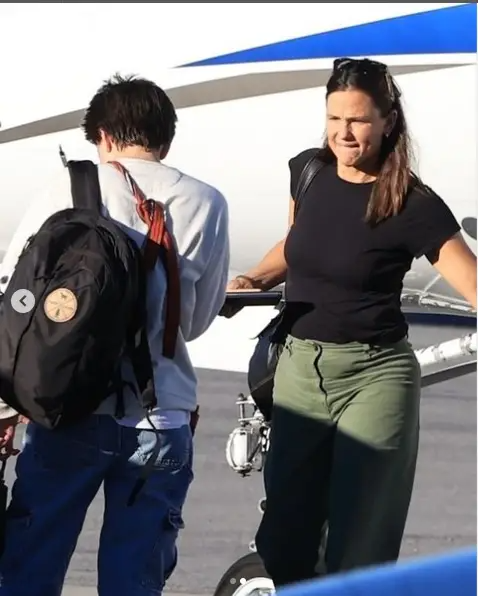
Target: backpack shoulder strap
[85, 185]
[310, 171]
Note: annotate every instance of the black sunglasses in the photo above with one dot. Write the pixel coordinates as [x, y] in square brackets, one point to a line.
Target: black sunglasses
[364, 63]
[366, 66]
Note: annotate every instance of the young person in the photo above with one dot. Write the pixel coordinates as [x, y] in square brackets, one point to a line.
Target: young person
[131, 121]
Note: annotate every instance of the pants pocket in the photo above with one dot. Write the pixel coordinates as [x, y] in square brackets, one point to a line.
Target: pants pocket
[166, 450]
[164, 557]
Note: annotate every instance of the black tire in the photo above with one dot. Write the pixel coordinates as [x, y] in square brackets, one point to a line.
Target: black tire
[245, 568]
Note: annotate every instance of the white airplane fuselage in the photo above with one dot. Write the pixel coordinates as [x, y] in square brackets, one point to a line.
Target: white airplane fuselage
[246, 113]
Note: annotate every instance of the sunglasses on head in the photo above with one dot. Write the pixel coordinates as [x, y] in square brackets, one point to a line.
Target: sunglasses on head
[367, 66]
[363, 63]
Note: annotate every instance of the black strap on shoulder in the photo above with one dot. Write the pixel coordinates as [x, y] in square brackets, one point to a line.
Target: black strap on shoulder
[85, 185]
[310, 171]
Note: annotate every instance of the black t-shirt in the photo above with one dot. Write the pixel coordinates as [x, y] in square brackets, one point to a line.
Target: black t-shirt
[345, 276]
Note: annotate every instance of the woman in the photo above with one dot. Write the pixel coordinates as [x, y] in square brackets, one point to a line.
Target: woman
[345, 423]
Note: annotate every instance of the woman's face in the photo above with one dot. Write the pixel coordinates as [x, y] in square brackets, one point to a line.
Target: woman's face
[355, 127]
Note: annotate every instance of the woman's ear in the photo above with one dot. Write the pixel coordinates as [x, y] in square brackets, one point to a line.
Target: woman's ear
[390, 123]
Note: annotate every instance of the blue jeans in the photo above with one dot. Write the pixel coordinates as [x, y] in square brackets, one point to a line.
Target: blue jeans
[58, 475]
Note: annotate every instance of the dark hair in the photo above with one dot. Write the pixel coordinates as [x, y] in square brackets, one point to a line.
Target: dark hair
[395, 176]
[132, 111]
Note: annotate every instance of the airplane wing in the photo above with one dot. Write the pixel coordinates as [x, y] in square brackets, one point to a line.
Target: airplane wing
[209, 92]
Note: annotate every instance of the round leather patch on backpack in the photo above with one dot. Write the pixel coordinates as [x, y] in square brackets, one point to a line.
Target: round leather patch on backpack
[60, 305]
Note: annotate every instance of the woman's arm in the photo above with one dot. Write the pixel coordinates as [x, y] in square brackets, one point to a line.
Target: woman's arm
[270, 272]
[457, 265]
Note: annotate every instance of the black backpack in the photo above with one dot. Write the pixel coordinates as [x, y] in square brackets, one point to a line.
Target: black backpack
[271, 340]
[61, 359]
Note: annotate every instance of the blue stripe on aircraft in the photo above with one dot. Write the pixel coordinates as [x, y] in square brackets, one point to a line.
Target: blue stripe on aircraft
[450, 30]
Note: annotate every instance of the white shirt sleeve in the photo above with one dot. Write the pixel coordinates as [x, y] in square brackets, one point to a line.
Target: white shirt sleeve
[205, 297]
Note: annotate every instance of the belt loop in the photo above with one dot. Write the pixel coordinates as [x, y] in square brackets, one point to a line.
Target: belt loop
[288, 345]
[371, 350]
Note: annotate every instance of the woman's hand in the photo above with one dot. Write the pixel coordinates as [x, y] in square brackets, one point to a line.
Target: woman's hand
[241, 283]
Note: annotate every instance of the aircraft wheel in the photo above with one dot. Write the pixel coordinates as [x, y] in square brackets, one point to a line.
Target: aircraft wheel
[245, 577]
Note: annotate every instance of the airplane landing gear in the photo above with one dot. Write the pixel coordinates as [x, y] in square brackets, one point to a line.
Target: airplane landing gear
[245, 577]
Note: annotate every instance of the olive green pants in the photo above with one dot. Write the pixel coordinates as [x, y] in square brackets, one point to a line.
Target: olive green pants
[343, 451]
